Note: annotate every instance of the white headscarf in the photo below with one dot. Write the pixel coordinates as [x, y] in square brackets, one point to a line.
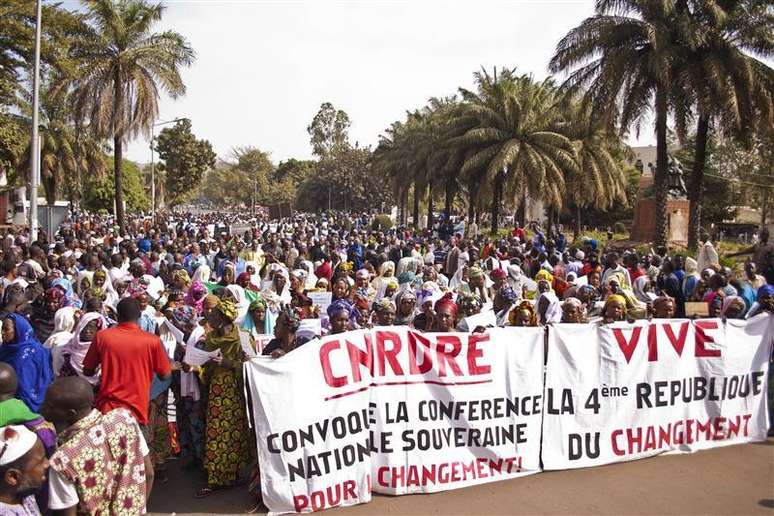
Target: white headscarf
[77, 349]
[241, 301]
[64, 321]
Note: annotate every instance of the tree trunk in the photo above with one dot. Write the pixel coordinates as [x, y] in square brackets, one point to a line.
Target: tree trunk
[405, 207]
[659, 182]
[576, 232]
[416, 206]
[118, 153]
[498, 193]
[764, 208]
[430, 206]
[521, 213]
[695, 185]
[472, 201]
[550, 220]
[450, 192]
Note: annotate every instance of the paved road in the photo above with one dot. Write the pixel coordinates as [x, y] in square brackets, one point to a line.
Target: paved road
[732, 480]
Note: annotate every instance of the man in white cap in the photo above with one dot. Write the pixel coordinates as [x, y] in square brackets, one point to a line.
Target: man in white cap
[23, 466]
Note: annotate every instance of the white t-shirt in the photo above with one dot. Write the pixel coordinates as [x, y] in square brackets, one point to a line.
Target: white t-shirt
[62, 494]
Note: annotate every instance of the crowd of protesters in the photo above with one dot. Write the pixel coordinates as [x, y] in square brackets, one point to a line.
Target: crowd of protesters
[99, 324]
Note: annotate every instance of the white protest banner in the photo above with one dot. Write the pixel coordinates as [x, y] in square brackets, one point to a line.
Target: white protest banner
[627, 391]
[313, 448]
[467, 412]
[396, 411]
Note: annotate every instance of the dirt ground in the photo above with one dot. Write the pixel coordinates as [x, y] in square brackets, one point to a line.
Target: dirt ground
[731, 480]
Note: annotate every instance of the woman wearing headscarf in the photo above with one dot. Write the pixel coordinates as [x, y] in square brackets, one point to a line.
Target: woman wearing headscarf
[516, 279]
[43, 312]
[277, 293]
[284, 341]
[643, 289]
[548, 306]
[405, 305]
[734, 307]
[691, 277]
[384, 311]
[71, 299]
[614, 309]
[523, 314]
[616, 283]
[31, 361]
[573, 311]
[180, 280]
[64, 323]
[340, 314]
[503, 301]
[257, 321]
[386, 275]
[75, 351]
[195, 296]
[227, 447]
[237, 294]
[445, 317]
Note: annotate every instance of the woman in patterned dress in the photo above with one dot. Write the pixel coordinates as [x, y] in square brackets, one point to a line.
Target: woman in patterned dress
[227, 439]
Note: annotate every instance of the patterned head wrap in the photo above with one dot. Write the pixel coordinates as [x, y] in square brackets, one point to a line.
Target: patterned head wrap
[182, 275]
[469, 304]
[524, 306]
[211, 301]
[290, 318]
[55, 295]
[228, 308]
[362, 274]
[590, 290]
[99, 274]
[446, 302]
[258, 302]
[384, 304]
[475, 272]
[508, 294]
[406, 277]
[340, 305]
[137, 291]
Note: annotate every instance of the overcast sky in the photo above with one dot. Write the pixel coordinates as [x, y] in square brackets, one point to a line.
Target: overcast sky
[264, 68]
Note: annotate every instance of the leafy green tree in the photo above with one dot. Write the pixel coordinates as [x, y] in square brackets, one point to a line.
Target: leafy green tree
[720, 85]
[99, 193]
[328, 131]
[184, 161]
[622, 58]
[517, 136]
[121, 67]
[295, 170]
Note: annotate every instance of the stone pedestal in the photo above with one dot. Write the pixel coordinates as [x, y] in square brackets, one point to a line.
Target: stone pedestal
[644, 225]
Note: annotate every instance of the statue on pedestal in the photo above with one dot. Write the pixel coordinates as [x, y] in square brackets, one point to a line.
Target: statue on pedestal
[675, 182]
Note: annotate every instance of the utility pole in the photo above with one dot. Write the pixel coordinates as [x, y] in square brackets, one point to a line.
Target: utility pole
[35, 141]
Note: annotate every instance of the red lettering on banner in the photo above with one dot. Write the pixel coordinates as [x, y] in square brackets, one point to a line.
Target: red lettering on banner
[331, 496]
[325, 362]
[627, 347]
[475, 352]
[443, 356]
[388, 355]
[678, 342]
[358, 357]
[702, 339]
[613, 439]
[414, 366]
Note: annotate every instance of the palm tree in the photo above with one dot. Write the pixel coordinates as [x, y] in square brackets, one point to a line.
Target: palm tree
[719, 84]
[599, 179]
[624, 57]
[120, 67]
[64, 152]
[515, 131]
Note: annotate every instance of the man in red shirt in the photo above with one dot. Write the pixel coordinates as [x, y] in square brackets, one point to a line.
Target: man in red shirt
[129, 357]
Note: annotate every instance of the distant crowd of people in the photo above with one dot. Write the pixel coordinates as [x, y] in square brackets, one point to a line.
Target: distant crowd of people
[124, 348]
